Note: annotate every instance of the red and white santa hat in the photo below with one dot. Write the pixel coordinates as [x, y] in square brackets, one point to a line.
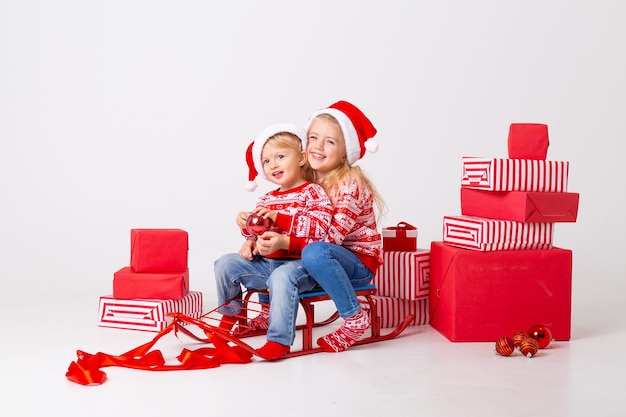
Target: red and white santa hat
[253, 153]
[357, 129]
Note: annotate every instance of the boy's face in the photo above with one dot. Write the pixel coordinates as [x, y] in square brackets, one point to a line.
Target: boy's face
[282, 165]
[326, 147]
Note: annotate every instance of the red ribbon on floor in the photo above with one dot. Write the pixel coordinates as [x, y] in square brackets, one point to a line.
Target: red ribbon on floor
[86, 370]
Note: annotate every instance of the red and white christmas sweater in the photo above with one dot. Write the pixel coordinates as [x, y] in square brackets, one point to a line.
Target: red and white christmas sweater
[354, 223]
[304, 214]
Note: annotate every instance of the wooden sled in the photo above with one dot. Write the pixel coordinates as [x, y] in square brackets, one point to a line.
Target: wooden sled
[209, 322]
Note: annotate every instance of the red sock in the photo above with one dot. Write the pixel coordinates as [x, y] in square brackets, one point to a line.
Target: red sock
[273, 350]
[345, 336]
[261, 321]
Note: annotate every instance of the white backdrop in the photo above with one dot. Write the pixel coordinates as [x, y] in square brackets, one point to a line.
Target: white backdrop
[124, 114]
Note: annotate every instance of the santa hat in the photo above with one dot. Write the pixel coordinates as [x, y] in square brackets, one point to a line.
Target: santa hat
[253, 153]
[357, 129]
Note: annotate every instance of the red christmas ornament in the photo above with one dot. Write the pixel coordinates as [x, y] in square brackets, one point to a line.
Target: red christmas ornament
[542, 334]
[505, 346]
[518, 337]
[257, 225]
[529, 346]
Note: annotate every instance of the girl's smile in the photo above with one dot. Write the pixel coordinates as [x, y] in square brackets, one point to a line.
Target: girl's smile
[326, 147]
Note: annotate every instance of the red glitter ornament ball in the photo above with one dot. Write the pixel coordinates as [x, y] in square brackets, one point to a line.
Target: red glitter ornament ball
[257, 225]
[529, 346]
[542, 334]
[518, 337]
[505, 346]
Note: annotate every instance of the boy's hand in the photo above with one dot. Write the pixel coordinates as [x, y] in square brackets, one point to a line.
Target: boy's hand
[248, 250]
[270, 242]
[266, 213]
[242, 216]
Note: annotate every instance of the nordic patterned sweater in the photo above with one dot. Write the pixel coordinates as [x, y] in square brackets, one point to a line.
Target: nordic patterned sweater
[354, 223]
[303, 213]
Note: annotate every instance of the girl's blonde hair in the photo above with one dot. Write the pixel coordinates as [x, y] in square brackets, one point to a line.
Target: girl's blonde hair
[333, 180]
[286, 140]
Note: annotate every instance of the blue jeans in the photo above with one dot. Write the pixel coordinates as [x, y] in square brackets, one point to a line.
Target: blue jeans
[286, 279]
[337, 270]
[285, 285]
[232, 272]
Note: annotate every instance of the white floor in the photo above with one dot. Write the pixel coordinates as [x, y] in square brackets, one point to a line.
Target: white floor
[420, 373]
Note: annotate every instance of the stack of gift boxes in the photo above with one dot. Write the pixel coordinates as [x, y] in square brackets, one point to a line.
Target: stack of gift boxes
[155, 283]
[496, 271]
[402, 281]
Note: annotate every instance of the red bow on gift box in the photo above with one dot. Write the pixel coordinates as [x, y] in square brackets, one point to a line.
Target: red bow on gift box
[402, 237]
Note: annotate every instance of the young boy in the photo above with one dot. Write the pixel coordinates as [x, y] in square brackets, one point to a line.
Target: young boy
[300, 212]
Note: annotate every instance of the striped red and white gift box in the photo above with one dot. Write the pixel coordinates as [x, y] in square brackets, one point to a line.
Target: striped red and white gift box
[393, 310]
[502, 174]
[404, 275]
[144, 314]
[483, 234]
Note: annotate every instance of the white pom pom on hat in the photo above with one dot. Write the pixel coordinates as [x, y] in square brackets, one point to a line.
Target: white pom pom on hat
[253, 153]
[357, 129]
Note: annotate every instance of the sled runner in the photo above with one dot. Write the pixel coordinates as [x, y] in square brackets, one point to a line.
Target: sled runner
[210, 321]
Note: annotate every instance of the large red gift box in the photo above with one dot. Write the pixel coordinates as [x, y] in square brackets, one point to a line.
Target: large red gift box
[159, 285]
[520, 206]
[482, 296]
[402, 237]
[483, 234]
[392, 311]
[503, 174]
[528, 141]
[149, 315]
[404, 275]
[158, 250]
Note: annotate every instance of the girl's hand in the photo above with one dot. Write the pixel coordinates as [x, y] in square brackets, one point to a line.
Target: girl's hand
[248, 250]
[270, 242]
[242, 216]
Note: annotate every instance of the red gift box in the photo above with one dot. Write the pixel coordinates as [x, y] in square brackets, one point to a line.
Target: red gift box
[482, 234]
[158, 250]
[148, 315]
[402, 237]
[528, 141]
[392, 311]
[481, 296]
[404, 275]
[128, 284]
[498, 174]
[520, 206]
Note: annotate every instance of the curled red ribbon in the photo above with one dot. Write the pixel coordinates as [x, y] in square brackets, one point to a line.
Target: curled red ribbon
[86, 369]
